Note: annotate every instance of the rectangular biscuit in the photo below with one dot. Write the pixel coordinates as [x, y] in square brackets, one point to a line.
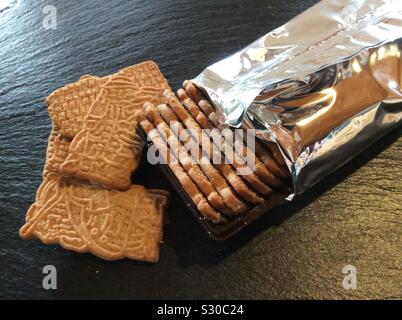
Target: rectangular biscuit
[109, 224]
[57, 151]
[107, 150]
[145, 74]
[69, 105]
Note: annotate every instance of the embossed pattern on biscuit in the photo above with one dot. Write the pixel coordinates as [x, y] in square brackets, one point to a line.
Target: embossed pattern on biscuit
[145, 74]
[109, 224]
[56, 153]
[107, 150]
[69, 105]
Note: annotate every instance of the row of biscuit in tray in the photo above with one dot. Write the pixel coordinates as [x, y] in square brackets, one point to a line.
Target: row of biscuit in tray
[100, 129]
[217, 190]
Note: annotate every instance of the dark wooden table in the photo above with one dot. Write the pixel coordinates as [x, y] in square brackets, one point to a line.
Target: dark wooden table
[298, 251]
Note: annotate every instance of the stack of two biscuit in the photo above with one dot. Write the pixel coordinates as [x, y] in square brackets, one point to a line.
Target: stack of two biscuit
[86, 202]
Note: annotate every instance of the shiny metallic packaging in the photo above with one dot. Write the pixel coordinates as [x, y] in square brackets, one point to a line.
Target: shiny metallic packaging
[323, 87]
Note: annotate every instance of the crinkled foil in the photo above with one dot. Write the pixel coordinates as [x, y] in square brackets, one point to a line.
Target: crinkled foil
[323, 87]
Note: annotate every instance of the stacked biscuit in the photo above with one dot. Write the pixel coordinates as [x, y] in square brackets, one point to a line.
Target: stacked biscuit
[215, 187]
[86, 202]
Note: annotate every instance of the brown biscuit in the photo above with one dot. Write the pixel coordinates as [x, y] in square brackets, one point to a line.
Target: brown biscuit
[57, 151]
[186, 161]
[276, 153]
[238, 161]
[193, 92]
[145, 74]
[68, 106]
[85, 218]
[273, 162]
[271, 158]
[263, 153]
[189, 187]
[107, 150]
[225, 170]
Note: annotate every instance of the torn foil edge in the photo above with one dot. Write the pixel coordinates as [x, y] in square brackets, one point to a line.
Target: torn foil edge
[339, 31]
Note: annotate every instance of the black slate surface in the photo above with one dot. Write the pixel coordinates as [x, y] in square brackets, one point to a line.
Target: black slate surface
[298, 251]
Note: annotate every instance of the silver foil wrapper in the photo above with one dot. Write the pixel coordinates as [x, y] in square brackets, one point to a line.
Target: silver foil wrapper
[323, 87]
